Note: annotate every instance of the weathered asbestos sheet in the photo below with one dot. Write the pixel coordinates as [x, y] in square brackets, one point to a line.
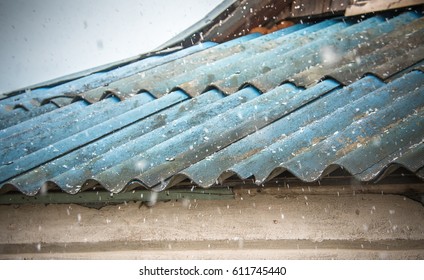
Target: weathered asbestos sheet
[308, 99]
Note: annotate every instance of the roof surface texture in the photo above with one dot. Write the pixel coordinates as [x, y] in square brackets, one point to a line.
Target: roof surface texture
[308, 99]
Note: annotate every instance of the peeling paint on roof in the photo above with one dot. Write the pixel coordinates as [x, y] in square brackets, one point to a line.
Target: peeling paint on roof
[308, 99]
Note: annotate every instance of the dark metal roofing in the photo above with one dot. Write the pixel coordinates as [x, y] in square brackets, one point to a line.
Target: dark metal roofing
[308, 99]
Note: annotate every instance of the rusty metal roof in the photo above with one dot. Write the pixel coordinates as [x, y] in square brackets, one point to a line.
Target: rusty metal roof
[309, 99]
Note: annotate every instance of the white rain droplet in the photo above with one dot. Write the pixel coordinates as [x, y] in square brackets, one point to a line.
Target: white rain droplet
[358, 60]
[186, 202]
[142, 164]
[43, 190]
[241, 243]
[153, 198]
[329, 55]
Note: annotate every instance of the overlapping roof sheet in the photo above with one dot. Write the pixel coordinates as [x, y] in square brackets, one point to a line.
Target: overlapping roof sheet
[308, 99]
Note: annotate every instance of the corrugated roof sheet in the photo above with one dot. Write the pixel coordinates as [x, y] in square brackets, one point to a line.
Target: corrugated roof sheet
[308, 99]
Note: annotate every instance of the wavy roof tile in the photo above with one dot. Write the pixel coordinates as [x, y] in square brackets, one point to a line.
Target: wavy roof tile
[308, 99]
